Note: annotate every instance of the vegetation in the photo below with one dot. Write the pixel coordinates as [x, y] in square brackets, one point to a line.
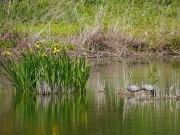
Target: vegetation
[153, 76]
[50, 66]
[140, 26]
[115, 26]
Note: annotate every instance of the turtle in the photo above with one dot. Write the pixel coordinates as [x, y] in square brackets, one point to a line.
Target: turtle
[133, 88]
[147, 87]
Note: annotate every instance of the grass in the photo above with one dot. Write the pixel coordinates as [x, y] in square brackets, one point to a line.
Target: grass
[154, 22]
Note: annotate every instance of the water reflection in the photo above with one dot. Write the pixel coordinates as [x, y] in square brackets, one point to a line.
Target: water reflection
[56, 114]
[151, 116]
[151, 108]
[101, 111]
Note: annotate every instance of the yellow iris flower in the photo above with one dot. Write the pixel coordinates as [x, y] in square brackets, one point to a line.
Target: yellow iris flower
[7, 53]
[37, 45]
[55, 50]
[44, 55]
[55, 45]
[31, 50]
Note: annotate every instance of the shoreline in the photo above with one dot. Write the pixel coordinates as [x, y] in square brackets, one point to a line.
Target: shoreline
[92, 47]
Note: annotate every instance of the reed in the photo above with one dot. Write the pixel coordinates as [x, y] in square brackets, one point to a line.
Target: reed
[48, 67]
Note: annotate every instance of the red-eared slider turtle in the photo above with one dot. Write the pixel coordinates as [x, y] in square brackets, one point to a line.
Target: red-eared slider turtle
[147, 87]
[133, 88]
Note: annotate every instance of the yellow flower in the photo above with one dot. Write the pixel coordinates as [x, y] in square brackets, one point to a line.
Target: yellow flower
[7, 53]
[82, 70]
[55, 45]
[30, 49]
[44, 55]
[55, 50]
[38, 45]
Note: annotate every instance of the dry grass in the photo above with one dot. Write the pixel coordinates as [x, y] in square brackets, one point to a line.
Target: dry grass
[112, 42]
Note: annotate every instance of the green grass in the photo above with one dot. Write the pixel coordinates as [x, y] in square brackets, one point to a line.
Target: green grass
[62, 28]
[151, 21]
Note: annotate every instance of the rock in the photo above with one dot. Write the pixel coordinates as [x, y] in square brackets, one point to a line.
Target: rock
[43, 88]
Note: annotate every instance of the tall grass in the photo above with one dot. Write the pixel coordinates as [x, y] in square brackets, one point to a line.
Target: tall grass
[51, 66]
[153, 22]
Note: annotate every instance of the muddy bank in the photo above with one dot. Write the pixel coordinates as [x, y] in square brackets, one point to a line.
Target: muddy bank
[93, 44]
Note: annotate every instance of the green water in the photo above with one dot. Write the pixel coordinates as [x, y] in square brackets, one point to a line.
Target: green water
[99, 112]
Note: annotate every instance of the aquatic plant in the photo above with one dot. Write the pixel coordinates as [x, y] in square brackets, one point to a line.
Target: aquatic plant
[48, 70]
[153, 76]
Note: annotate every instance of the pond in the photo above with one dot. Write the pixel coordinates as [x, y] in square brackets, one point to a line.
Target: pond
[101, 111]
